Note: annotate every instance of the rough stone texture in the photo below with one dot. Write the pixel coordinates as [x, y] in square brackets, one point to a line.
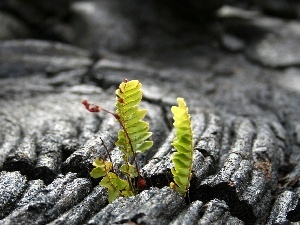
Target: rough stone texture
[285, 209]
[12, 185]
[51, 201]
[23, 57]
[95, 201]
[191, 215]
[154, 206]
[216, 212]
[238, 73]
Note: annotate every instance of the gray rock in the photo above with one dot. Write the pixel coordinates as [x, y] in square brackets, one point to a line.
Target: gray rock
[232, 43]
[23, 159]
[62, 194]
[12, 28]
[84, 210]
[103, 26]
[23, 57]
[38, 13]
[12, 185]
[217, 212]
[276, 51]
[189, 216]
[269, 41]
[286, 209]
[154, 206]
[32, 190]
[281, 8]
[245, 116]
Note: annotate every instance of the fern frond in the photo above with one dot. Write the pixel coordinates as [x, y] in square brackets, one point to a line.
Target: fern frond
[183, 143]
[116, 186]
[133, 138]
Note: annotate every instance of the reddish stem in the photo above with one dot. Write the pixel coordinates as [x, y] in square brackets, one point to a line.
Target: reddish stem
[108, 153]
[96, 108]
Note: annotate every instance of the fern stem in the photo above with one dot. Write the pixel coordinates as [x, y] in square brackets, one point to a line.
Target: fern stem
[129, 179]
[109, 155]
[117, 117]
[133, 152]
[127, 135]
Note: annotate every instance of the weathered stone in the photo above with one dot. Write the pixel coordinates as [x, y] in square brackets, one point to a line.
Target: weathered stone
[269, 51]
[12, 185]
[50, 148]
[12, 28]
[81, 160]
[191, 215]
[32, 190]
[10, 136]
[84, 210]
[285, 209]
[245, 116]
[103, 25]
[217, 212]
[267, 39]
[62, 194]
[38, 13]
[248, 174]
[154, 206]
[24, 57]
[23, 159]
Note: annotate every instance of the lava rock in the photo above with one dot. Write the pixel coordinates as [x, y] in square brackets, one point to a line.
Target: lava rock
[217, 212]
[12, 28]
[190, 215]
[286, 209]
[154, 206]
[24, 57]
[23, 159]
[62, 194]
[12, 185]
[37, 13]
[84, 210]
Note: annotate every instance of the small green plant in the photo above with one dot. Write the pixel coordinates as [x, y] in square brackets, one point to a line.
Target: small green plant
[183, 143]
[132, 139]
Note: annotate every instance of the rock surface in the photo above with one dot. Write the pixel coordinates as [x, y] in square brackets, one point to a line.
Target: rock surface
[238, 71]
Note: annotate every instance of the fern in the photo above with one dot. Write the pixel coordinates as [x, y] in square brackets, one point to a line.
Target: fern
[183, 143]
[116, 186]
[132, 139]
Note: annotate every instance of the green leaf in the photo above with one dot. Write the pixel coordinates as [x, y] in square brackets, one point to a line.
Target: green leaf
[102, 167]
[183, 143]
[144, 146]
[97, 172]
[140, 126]
[115, 185]
[98, 162]
[112, 194]
[129, 170]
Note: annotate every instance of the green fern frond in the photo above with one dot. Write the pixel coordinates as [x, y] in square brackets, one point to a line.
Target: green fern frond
[183, 143]
[116, 186]
[133, 138]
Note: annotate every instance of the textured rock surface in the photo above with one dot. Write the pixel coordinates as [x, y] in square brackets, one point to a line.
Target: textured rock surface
[238, 73]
